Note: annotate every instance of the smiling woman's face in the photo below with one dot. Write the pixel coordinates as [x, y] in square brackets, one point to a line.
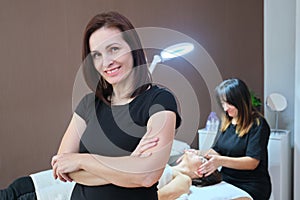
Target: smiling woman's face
[231, 110]
[111, 55]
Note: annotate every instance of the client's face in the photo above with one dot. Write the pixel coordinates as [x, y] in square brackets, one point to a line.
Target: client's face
[192, 160]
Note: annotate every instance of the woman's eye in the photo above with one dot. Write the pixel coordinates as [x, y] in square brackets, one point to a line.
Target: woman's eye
[96, 55]
[114, 49]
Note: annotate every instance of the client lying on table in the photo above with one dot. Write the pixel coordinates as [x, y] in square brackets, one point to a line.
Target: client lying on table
[174, 182]
[182, 182]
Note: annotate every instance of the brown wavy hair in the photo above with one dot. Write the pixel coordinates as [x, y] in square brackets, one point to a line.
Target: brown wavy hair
[96, 83]
[235, 92]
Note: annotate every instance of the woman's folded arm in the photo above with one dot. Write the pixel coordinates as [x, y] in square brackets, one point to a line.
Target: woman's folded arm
[127, 171]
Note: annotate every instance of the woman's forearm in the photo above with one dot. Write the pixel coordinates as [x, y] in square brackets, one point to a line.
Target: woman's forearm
[102, 175]
[131, 171]
[86, 178]
[125, 171]
[121, 179]
[242, 163]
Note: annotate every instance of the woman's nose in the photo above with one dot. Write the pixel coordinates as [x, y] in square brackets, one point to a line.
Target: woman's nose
[225, 107]
[107, 61]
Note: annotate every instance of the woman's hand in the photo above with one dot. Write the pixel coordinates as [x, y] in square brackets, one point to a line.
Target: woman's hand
[208, 167]
[145, 144]
[65, 163]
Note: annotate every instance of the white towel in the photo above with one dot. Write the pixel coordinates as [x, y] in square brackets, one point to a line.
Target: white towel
[47, 188]
[166, 177]
[220, 191]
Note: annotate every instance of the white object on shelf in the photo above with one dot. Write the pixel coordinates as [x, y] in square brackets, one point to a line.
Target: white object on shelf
[206, 139]
[279, 149]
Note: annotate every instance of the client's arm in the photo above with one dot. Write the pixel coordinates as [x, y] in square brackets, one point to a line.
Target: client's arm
[179, 185]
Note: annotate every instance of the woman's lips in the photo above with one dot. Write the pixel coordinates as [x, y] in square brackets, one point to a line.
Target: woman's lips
[113, 71]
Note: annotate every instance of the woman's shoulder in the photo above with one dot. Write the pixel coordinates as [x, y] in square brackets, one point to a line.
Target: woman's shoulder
[261, 123]
[89, 96]
[262, 120]
[155, 93]
[158, 90]
[88, 100]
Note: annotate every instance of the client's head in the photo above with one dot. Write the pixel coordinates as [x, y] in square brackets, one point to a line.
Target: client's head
[189, 165]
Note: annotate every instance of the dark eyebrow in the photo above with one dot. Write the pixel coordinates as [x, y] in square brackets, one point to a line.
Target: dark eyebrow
[107, 47]
[112, 44]
[92, 53]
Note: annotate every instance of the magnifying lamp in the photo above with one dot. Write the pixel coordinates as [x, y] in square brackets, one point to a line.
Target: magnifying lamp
[170, 52]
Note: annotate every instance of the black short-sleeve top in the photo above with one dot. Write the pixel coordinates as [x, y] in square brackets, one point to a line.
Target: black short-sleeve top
[116, 131]
[253, 144]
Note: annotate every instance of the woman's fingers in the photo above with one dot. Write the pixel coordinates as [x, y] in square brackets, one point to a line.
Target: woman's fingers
[58, 170]
[206, 169]
[64, 177]
[207, 172]
[54, 160]
[145, 145]
[58, 174]
[148, 144]
[179, 159]
[54, 171]
[198, 174]
[54, 166]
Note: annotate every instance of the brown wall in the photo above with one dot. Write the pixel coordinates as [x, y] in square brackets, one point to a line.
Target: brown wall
[40, 48]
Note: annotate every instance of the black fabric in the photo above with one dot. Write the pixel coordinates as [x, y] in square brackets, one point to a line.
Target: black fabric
[28, 196]
[113, 192]
[254, 144]
[21, 189]
[212, 179]
[116, 131]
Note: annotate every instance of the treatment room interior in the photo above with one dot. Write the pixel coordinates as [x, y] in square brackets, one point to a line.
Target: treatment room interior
[40, 50]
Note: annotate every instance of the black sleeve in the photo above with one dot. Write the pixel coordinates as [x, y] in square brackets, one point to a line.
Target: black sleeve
[83, 107]
[258, 140]
[215, 146]
[165, 100]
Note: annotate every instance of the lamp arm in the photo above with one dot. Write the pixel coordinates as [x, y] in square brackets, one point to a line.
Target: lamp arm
[156, 59]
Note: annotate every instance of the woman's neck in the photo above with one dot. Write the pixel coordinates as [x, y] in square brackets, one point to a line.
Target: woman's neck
[122, 91]
[121, 99]
[121, 94]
